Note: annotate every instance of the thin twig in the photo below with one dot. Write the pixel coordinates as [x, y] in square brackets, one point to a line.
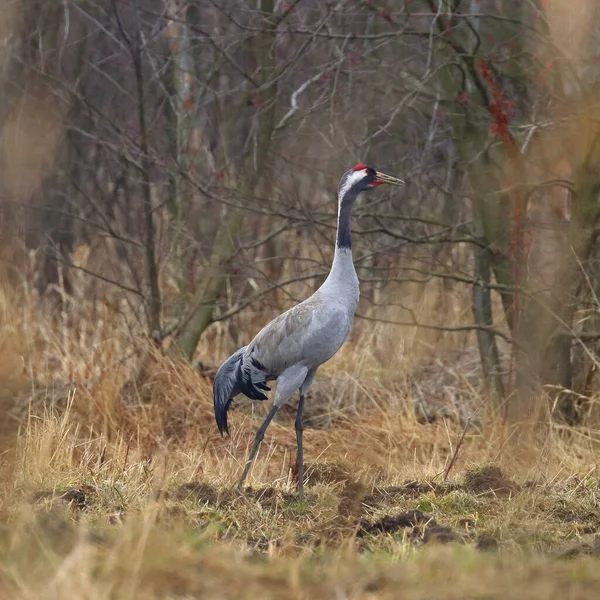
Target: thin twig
[457, 449]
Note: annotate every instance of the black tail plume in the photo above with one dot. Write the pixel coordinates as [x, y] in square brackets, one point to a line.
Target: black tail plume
[225, 388]
[252, 379]
[234, 377]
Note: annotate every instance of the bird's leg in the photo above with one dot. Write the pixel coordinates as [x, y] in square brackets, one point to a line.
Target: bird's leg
[260, 434]
[300, 455]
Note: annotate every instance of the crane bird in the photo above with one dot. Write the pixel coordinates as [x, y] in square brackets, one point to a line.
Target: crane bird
[295, 344]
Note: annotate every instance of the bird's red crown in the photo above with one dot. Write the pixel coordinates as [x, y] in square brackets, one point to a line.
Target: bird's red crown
[359, 167]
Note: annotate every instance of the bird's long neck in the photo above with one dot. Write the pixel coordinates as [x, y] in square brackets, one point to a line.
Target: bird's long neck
[344, 237]
[342, 277]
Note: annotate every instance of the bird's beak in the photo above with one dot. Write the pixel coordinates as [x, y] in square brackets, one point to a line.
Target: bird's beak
[383, 178]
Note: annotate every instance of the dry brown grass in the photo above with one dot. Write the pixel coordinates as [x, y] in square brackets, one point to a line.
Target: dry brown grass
[111, 497]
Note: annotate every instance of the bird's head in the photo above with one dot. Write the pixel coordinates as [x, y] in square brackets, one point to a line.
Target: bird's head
[361, 178]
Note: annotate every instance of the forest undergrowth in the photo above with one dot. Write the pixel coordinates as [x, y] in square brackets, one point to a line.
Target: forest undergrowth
[113, 494]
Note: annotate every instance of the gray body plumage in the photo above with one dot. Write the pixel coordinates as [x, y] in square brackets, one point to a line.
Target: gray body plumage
[292, 346]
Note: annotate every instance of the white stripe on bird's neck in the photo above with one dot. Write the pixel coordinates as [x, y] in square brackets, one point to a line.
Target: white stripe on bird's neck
[349, 182]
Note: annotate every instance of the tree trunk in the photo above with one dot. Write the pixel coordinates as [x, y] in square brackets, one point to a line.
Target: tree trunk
[482, 312]
[186, 131]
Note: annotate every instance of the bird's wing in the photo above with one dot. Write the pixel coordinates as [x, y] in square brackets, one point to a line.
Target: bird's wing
[279, 344]
[291, 338]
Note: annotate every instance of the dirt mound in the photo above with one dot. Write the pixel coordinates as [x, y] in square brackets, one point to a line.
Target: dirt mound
[424, 528]
[488, 479]
[269, 497]
[80, 497]
[437, 534]
[200, 492]
[391, 524]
